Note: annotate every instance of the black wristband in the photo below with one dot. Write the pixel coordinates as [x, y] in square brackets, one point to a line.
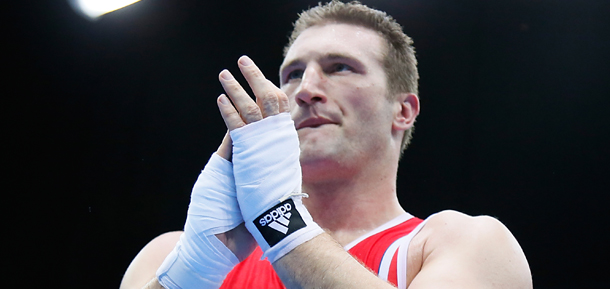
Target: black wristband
[279, 222]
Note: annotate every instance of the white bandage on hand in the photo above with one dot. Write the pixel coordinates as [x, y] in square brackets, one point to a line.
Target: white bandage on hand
[199, 259]
[268, 181]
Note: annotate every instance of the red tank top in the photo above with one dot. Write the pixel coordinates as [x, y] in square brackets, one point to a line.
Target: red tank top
[382, 250]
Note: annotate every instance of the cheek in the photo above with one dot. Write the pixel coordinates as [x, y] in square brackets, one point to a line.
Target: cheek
[367, 102]
[372, 115]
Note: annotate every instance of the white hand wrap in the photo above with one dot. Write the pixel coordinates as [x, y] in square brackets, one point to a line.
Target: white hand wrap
[268, 181]
[199, 259]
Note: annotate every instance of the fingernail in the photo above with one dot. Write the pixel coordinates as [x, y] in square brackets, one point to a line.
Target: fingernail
[245, 61]
[226, 75]
[223, 99]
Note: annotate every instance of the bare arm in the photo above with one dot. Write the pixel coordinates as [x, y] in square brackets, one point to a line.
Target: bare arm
[459, 251]
[323, 263]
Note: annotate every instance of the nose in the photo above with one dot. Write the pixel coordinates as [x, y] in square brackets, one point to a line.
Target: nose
[311, 88]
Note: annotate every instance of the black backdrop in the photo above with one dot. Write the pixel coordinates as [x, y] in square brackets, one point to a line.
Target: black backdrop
[109, 122]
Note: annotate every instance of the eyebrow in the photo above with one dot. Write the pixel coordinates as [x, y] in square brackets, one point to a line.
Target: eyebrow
[328, 56]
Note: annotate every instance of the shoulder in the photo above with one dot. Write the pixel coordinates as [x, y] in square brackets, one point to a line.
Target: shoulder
[457, 225]
[469, 250]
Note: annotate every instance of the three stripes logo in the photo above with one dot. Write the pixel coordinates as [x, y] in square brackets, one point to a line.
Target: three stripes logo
[279, 222]
[278, 219]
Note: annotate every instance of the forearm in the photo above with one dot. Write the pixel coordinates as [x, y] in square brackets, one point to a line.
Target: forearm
[322, 263]
[201, 258]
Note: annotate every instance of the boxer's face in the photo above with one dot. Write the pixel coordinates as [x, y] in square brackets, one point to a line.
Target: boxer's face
[334, 78]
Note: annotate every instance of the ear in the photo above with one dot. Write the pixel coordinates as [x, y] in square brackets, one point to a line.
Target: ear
[406, 110]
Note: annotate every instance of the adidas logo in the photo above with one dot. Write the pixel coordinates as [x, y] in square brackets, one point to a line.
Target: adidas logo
[278, 219]
[279, 222]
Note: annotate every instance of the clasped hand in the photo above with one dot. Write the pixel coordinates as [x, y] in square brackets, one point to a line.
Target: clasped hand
[270, 100]
[228, 198]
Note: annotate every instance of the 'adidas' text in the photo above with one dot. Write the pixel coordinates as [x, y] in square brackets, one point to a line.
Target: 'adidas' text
[278, 219]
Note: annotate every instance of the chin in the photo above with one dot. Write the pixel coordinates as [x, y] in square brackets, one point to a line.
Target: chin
[319, 165]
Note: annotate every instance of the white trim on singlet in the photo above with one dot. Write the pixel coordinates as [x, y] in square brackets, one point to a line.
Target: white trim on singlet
[402, 218]
[401, 265]
[402, 246]
[386, 260]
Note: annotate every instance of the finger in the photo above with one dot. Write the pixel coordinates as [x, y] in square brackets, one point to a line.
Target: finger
[267, 94]
[284, 104]
[274, 107]
[225, 149]
[268, 105]
[229, 114]
[248, 109]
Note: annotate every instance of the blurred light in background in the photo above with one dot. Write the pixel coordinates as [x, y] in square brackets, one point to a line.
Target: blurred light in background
[93, 9]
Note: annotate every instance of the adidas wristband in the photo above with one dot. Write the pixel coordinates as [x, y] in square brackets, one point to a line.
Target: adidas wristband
[199, 259]
[268, 182]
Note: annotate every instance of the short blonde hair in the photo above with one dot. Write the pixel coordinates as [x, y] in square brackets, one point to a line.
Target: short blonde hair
[399, 60]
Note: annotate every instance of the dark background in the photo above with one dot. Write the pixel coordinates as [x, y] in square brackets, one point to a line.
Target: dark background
[109, 123]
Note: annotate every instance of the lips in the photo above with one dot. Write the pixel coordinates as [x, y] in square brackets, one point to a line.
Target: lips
[314, 122]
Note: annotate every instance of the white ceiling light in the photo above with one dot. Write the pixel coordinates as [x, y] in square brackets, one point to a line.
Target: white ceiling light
[93, 9]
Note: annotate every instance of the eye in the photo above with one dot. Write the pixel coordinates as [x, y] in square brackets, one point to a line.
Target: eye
[339, 67]
[295, 74]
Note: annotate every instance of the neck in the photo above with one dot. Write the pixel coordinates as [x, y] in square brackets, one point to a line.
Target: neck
[350, 207]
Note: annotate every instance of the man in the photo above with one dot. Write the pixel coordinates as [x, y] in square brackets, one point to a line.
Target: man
[349, 81]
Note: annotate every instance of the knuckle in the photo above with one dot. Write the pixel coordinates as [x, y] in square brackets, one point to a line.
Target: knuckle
[251, 110]
[233, 85]
[255, 72]
[271, 105]
[232, 114]
[269, 95]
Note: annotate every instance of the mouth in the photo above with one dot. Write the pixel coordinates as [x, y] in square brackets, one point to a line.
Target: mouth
[313, 122]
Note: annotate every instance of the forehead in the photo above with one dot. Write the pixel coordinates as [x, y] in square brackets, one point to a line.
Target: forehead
[337, 38]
